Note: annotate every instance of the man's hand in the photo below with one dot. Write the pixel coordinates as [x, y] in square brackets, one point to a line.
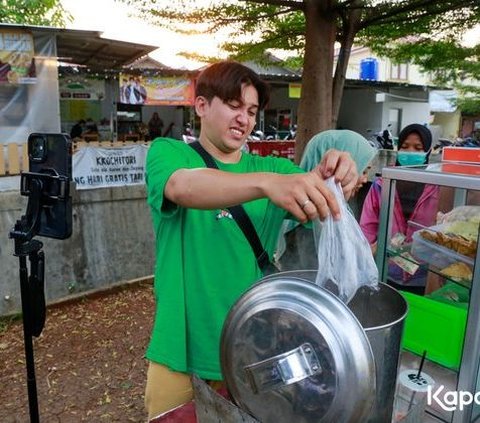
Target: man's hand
[341, 165]
[304, 195]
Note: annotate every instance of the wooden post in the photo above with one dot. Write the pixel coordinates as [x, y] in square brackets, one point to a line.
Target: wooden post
[13, 159]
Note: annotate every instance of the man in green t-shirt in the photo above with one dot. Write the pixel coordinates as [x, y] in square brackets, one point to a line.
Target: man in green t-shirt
[203, 261]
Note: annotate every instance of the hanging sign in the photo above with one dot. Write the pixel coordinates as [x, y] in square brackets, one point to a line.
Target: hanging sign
[95, 167]
[17, 64]
[294, 90]
[80, 88]
[156, 90]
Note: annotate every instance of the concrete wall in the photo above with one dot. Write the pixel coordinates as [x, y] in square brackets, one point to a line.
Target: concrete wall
[112, 242]
[449, 124]
[360, 112]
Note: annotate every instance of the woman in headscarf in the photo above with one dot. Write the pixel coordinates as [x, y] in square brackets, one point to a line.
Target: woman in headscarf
[414, 202]
[296, 244]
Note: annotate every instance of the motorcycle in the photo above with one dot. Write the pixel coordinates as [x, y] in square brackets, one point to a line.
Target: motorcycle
[188, 136]
[468, 142]
[256, 136]
[292, 133]
[271, 133]
[381, 140]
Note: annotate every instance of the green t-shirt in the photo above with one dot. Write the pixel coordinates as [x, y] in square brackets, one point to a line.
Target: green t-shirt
[203, 261]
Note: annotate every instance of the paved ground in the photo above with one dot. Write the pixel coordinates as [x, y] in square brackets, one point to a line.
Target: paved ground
[89, 360]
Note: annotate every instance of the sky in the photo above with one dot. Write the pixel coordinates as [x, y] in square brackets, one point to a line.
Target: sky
[113, 20]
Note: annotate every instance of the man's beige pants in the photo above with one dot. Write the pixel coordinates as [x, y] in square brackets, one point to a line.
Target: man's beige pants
[167, 389]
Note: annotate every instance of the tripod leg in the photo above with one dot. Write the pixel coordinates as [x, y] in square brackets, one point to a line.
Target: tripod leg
[27, 333]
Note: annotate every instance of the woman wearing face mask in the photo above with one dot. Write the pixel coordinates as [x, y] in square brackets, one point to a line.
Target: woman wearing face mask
[413, 202]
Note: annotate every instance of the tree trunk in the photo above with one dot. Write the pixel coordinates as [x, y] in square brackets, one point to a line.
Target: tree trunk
[349, 31]
[315, 106]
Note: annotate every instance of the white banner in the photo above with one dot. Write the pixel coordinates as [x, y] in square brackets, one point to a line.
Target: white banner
[95, 167]
[80, 88]
[442, 101]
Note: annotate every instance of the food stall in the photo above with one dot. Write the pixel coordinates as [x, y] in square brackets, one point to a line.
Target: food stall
[443, 324]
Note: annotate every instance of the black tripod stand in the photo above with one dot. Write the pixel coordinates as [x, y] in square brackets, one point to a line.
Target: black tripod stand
[38, 187]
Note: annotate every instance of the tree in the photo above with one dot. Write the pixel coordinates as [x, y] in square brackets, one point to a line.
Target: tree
[449, 63]
[311, 29]
[34, 12]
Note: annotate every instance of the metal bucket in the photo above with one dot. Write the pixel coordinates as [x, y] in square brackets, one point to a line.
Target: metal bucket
[381, 314]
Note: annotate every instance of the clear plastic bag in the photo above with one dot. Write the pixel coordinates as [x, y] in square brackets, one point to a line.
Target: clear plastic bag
[345, 260]
[460, 214]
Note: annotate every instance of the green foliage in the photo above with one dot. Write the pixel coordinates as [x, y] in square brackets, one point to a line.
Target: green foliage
[34, 12]
[446, 60]
[413, 31]
[7, 321]
[254, 27]
[469, 106]
[469, 99]
[433, 43]
[257, 26]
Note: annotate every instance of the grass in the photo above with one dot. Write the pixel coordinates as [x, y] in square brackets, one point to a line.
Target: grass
[6, 321]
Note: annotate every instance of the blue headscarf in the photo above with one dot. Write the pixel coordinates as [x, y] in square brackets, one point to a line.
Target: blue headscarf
[339, 139]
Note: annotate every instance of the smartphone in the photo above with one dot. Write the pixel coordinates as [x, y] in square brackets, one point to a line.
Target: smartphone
[50, 161]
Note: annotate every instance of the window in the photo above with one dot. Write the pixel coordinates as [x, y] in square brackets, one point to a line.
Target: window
[399, 71]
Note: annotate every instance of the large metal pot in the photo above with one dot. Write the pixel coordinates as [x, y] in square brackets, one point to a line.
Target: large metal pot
[292, 351]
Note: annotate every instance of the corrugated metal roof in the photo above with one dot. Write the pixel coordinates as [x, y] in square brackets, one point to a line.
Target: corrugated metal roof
[89, 48]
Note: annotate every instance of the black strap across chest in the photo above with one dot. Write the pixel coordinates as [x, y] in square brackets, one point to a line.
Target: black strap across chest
[239, 214]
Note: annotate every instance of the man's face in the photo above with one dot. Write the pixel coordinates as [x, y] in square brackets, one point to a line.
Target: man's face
[227, 125]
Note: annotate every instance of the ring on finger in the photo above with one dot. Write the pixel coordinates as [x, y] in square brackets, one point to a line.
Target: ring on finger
[304, 204]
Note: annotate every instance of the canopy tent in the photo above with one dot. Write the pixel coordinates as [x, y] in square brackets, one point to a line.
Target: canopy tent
[31, 104]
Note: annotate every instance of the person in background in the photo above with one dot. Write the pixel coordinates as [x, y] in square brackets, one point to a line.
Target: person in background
[90, 127]
[204, 262]
[124, 91]
[296, 247]
[414, 202]
[155, 126]
[77, 129]
[132, 95]
[140, 91]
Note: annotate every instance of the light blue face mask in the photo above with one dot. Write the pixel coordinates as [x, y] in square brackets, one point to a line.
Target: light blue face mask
[411, 158]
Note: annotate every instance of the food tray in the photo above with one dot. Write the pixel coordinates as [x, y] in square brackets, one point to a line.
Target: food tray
[435, 254]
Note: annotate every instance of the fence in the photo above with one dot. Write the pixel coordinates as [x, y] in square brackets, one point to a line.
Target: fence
[14, 156]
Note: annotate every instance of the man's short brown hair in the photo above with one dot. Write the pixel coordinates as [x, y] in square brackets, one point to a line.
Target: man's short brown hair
[224, 80]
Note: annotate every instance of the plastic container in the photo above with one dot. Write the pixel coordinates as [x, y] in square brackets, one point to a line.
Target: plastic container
[369, 69]
[434, 326]
[453, 294]
[411, 396]
[435, 254]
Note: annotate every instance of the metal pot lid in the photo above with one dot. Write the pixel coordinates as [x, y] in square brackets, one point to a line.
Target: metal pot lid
[293, 352]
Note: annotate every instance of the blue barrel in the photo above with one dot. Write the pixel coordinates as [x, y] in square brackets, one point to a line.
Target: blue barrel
[369, 69]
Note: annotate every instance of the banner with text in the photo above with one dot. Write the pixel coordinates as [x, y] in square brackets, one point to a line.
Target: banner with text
[80, 88]
[95, 167]
[156, 90]
[17, 64]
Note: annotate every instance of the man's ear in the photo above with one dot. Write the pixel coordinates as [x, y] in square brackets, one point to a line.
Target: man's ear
[201, 104]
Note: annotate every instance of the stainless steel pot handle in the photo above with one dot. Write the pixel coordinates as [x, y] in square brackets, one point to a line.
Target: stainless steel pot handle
[283, 369]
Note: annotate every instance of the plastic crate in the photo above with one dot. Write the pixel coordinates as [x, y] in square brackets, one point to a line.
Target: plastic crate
[436, 327]
[435, 254]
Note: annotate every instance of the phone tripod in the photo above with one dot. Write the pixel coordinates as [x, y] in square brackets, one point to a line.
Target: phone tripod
[38, 188]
